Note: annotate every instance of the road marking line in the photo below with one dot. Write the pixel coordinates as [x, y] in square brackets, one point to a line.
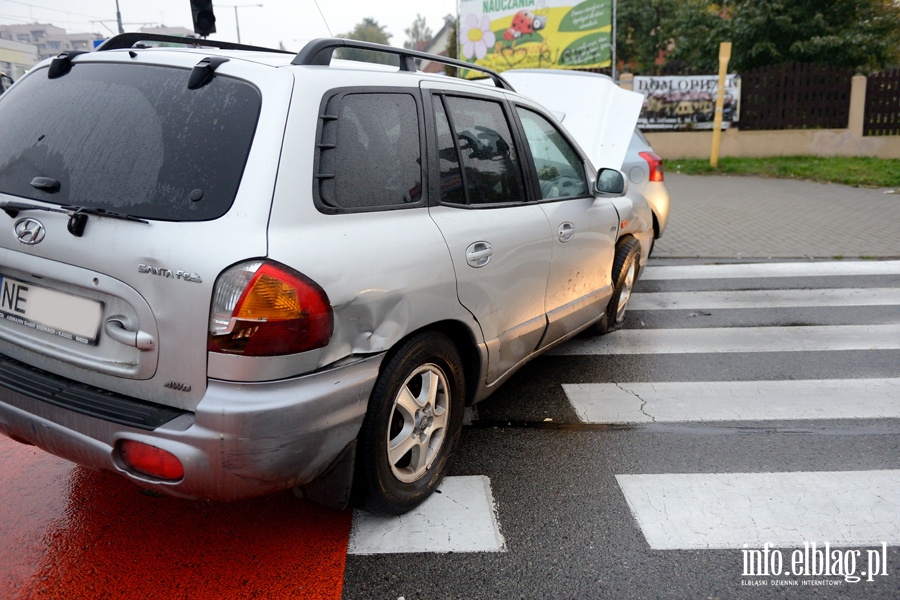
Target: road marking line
[737, 339]
[727, 510]
[775, 269]
[461, 518]
[765, 299]
[677, 402]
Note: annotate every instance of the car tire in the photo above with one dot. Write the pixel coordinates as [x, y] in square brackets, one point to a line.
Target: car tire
[412, 425]
[624, 275]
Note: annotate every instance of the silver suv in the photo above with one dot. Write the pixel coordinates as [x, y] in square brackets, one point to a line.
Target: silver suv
[228, 271]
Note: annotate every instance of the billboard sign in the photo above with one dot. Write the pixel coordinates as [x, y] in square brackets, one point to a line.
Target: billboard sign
[687, 102]
[535, 34]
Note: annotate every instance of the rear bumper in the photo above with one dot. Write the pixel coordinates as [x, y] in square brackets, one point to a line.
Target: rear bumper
[243, 440]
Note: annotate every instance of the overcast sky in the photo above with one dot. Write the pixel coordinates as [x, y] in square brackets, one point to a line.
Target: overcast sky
[292, 22]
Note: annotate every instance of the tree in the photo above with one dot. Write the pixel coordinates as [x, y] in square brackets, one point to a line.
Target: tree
[452, 48]
[685, 34]
[644, 30]
[368, 31]
[857, 34]
[416, 33]
[695, 29]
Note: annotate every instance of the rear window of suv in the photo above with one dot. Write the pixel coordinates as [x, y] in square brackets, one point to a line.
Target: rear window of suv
[131, 139]
[369, 152]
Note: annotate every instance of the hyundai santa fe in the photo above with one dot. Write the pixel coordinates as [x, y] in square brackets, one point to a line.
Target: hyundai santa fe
[227, 271]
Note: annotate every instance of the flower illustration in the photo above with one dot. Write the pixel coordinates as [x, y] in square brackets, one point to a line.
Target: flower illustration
[475, 36]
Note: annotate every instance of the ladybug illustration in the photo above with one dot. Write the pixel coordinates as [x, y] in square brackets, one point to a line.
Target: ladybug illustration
[524, 22]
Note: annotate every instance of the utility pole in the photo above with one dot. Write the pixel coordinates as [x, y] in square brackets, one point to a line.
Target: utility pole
[119, 18]
[613, 44]
[237, 23]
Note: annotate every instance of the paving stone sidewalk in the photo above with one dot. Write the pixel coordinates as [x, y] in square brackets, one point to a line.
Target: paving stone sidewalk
[754, 217]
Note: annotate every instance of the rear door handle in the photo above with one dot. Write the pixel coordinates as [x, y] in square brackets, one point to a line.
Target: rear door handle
[117, 330]
[479, 254]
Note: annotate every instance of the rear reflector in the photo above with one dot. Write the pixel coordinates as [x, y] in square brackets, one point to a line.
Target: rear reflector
[655, 162]
[150, 460]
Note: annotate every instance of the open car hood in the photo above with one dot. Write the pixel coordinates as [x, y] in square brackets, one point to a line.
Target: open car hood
[600, 115]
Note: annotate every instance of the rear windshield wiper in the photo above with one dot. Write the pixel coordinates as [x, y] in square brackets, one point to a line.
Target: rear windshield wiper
[78, 217]
[77, 214]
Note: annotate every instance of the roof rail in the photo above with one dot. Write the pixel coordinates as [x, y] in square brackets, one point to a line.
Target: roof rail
[318, 52]
[128, 40]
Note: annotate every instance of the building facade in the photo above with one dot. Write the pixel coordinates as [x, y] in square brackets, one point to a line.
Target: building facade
[15, 59]
[48, 40]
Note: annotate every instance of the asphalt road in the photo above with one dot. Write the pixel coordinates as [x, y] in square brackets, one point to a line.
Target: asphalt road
[571, 527]
[739, 405]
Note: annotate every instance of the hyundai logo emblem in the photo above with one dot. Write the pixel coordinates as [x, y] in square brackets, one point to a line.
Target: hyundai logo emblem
[30, 231]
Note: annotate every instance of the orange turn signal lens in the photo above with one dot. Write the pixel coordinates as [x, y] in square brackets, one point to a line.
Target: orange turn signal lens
[263, 308]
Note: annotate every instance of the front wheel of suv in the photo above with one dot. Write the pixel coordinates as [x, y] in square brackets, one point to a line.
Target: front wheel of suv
[624, 276]
[411, 427]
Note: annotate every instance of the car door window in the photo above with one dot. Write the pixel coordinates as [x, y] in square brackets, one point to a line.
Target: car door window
[450, 178]
[559, 168]
[486, 154]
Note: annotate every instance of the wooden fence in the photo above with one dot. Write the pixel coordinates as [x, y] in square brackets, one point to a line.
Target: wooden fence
[882, 116]
[795, 96]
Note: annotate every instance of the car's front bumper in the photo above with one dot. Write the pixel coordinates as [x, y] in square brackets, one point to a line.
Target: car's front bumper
[243, 440]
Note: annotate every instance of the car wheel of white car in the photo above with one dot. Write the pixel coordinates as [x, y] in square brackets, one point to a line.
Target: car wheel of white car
[412, 425]
[624, 275]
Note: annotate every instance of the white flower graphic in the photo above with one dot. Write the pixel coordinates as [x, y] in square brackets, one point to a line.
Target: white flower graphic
[476, 36]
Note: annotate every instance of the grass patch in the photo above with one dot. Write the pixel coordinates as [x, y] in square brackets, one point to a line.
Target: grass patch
[855, 171]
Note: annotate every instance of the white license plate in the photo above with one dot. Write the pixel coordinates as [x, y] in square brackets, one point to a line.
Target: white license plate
[70, 317]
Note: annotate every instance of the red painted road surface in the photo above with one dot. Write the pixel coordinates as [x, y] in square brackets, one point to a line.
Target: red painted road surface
[69, 532]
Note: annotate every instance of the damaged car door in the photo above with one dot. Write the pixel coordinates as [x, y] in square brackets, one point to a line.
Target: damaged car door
[583, 228]
[499, 241]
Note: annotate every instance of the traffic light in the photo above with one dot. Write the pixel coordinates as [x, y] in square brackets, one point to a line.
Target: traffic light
[204, 19]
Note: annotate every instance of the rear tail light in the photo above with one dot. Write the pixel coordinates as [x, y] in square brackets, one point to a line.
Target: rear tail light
[262, 308]
[151, 460]
[655, 162]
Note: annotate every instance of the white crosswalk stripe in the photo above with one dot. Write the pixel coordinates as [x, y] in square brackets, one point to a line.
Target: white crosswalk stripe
[738, 339]
[737, 510]
[460, 517]
[673, 402]
[728, 510]
[773, 270]
[765, 299]
[754, 339]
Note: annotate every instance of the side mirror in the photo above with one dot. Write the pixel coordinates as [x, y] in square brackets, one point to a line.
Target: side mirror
[610, 183]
